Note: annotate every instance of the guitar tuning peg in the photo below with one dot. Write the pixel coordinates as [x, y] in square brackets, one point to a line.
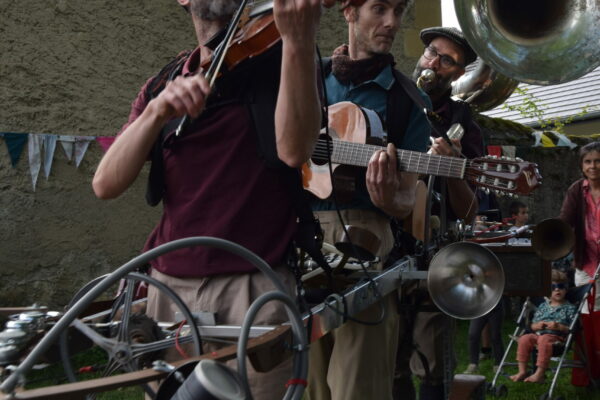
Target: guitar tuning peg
[519, 159]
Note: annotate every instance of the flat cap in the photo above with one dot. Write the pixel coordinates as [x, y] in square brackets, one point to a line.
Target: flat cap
[428, 34]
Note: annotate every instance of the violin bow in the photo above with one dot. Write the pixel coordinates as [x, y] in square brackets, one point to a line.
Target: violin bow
[219, 57]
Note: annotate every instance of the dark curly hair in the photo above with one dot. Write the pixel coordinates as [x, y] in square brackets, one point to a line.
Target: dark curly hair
[559, 276]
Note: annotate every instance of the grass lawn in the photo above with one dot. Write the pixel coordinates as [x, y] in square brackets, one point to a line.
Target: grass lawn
[516, 391]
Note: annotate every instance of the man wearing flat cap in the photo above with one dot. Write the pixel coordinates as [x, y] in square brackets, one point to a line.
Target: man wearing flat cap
[446, 53]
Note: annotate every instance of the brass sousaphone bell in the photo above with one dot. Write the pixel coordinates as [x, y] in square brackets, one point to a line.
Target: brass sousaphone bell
[541, 42]
[465, 280]
[552, 239]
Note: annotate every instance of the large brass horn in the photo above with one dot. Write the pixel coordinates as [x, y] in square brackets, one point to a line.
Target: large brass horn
[541, 42]
[465, 280]
[482, 87]
[552, 239]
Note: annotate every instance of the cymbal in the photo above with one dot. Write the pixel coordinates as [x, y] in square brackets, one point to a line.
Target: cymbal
[465, 280]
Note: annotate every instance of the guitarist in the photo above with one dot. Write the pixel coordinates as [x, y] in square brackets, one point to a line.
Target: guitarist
[356, 360]
[446, 53]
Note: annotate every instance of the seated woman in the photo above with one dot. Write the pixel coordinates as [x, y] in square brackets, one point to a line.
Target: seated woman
[550, 325]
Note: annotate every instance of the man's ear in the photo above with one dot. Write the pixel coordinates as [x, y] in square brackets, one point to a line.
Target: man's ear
[350, 14]
[184, 3]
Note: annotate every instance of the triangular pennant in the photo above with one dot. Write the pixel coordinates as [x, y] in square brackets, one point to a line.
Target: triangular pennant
[67, 143]
[494, 151]
[81, 146]
[49, 147]
[35, 158]
[509, 151]
[15, 143]
[105, 142]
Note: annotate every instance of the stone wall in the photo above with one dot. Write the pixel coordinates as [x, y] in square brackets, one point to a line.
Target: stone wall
[72, 68]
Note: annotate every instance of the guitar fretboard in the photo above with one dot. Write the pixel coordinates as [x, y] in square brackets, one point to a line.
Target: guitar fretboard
[359, 154]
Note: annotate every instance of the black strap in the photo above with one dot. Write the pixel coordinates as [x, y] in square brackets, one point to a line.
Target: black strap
[411, 89]
[155, 189]
[398, 110]
[260, 94]
[398, 106]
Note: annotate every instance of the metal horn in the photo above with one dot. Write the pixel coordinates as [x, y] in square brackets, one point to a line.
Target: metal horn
[541, 42]
[552, 239]
[482, 87]
[465, 280]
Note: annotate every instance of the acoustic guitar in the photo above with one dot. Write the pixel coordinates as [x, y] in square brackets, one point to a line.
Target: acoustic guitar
[347, 146]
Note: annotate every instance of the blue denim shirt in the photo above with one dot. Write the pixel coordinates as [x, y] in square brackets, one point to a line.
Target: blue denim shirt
[373, 95]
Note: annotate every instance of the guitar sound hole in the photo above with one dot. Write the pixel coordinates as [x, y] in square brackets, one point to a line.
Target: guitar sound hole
[344, 180]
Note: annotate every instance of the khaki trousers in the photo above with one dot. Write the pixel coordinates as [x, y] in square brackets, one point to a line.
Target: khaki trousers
[356, 361]
[229, 296]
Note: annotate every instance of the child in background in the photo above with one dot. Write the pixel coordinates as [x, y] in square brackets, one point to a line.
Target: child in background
[550, 325]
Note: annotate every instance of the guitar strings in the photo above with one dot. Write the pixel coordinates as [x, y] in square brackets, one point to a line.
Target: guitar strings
[359, 153]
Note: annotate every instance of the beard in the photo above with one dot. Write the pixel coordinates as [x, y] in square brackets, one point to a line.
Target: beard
[438, 86]
[214, 10]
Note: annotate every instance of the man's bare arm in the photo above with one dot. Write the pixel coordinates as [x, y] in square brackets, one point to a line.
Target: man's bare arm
[123, 161]
[298, 114]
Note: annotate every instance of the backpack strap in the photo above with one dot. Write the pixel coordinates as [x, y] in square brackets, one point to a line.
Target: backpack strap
[260, 95]
[402, 97]
[410, 88]
[309, 235]
[398, 110]
[155, 188]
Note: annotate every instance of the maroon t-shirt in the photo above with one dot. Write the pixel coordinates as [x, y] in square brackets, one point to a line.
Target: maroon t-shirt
[217, 185]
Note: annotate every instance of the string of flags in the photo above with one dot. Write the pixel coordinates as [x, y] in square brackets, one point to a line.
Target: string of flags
[41, 148]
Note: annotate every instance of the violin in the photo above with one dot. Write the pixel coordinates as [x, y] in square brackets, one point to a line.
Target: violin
[254, 36]
[248, 35]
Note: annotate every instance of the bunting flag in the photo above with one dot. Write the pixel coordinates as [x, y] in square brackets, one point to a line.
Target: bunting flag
[49, 147]
[67, 143]
[509, 151]
[494, 150]
[552, 139]
[35, 159]
[81, 145]
[15, 142]
[75, 147]
[105, 142]
[42, 148]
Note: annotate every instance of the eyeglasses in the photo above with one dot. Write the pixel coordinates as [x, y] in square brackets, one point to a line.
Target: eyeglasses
[445, 60]
[559, 286]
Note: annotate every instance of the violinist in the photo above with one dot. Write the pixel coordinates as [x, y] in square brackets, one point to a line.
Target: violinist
[214, 179]
[356, 360]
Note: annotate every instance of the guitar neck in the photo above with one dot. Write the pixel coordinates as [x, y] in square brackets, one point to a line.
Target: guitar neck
[359, 154]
